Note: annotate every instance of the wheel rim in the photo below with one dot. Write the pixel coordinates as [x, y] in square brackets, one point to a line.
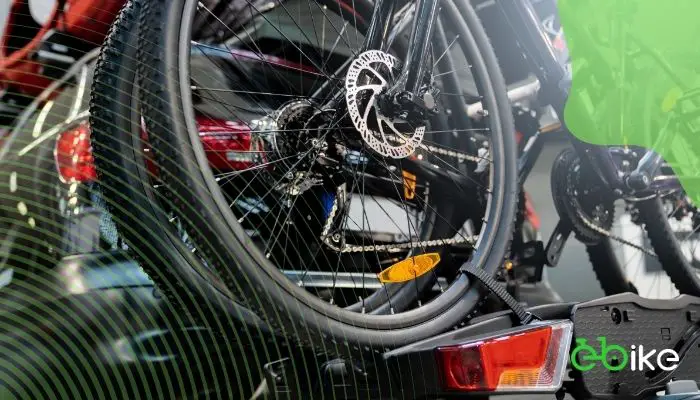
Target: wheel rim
[454, 293]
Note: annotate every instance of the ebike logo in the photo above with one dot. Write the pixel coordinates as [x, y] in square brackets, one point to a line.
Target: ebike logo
[615, 357]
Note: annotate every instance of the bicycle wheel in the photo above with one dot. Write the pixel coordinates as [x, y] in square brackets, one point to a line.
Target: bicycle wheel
[580, 203]
[670, 218]
[244, 253]
[646, 246]
[672, 226]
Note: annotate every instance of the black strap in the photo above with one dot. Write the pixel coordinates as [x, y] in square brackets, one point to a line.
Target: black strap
[524, 316]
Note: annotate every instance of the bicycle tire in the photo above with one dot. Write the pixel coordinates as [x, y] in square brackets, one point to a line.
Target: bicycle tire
[124, 181]
[663, 240]
[607, 268]
[253, 281]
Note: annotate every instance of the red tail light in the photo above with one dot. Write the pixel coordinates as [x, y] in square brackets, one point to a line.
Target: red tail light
[73, 155]
[532, 358]
[228, 144]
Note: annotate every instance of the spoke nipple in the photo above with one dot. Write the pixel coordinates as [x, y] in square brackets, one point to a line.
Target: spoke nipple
[267, 255]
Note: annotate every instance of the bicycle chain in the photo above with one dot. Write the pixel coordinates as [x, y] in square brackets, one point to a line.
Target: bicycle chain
[592, 225]
[396, 247]
[595, 227]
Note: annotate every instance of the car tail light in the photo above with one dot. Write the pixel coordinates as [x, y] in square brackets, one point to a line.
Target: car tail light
[530, 358]
[73, 155]
[228, 144]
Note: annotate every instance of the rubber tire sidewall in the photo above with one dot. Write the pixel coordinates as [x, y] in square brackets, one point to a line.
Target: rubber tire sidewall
[125, 186]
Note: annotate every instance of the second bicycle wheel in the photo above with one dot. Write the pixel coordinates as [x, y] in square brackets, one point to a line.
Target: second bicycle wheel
[313, 178]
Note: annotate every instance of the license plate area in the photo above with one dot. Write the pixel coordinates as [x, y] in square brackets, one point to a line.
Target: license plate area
[627, 323]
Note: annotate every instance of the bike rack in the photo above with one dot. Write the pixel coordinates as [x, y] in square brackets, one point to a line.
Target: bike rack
[625, 319]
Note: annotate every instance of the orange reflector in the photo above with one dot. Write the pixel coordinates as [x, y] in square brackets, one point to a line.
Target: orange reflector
[532, 358]
[409, 185]
[409, 268]
[508, 265]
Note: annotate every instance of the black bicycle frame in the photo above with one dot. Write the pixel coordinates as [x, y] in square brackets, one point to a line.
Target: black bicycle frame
[419, 42]
[378, 32]
[555, 82]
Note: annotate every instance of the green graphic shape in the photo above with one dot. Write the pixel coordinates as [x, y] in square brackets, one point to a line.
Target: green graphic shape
[584, 356]
[636, 78]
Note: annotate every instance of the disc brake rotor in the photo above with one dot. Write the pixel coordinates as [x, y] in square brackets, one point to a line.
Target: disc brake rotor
[369, 75]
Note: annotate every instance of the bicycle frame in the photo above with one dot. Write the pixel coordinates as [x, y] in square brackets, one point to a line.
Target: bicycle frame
[421, 34]
[555, 83]
[379, 35]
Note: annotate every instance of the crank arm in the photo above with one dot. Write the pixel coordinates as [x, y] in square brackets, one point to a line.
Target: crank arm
[556, 243]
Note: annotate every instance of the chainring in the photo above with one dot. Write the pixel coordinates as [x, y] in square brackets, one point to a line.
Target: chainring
[576, 201]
